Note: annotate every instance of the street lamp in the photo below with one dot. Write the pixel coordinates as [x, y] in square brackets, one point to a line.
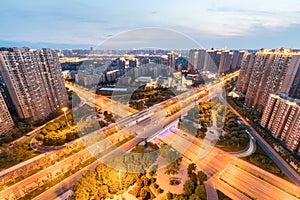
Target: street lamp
[120, 179]
[65, 110]
[119, 171]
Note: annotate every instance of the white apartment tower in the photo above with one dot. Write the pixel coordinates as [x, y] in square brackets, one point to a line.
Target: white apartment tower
[34, 81]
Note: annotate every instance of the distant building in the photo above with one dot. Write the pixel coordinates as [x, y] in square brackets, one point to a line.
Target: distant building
[212, 60]
[196, 59]
[132, 63]
[225, 61]
[6, 122]
[143, 79]
[171, 60]
[112, 75]
[237, 60]
[282, 117]
[124, 80]
[186, 81]
[34, 81]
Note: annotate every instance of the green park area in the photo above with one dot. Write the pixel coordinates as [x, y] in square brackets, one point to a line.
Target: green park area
[144, 98]
[121, 172]
[199, 120]
[261, 159]
[69, 128]
[135, 174]
[17, 154]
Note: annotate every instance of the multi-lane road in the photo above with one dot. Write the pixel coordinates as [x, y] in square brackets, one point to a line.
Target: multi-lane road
[106, 103]
[217, 164]
[280, 162]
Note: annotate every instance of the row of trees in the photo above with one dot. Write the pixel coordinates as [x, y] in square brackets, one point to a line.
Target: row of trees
[236, 137]
[17, 154]
[21, 130]
[262, 160]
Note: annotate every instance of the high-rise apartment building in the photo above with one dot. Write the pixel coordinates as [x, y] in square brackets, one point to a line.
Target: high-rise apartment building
[6, 122]
[267, 72]
[34, 81]
[282, 117]
[237, 59]
[171, 60]
[196, 59]
[247, 64]
[212, 60]
[258, 78]
[275, 78]
[225, 61]
[291, 84]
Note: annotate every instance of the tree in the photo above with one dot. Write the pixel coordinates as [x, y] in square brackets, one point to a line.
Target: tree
[144, 194]
[169, 196]
[200, 191]
[159, 190]
[188, 188]
[194, 178]
[202, 177]
[191, 168]
[194, 197]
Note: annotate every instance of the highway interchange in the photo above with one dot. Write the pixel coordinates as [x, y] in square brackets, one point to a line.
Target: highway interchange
[221, 167]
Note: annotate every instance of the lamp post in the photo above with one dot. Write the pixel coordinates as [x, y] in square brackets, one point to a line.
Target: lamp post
[120, 179]
[119, 171]
[65, 110]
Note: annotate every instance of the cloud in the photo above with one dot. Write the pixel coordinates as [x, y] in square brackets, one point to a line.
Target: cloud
[92, 22]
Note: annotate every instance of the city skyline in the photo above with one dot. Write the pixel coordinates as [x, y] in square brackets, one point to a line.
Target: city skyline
[77, 24]
[150, 100]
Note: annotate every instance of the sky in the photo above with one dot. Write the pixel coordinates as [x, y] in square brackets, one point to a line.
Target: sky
[233, 24]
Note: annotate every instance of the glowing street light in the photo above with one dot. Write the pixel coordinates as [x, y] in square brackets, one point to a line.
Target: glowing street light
[65, 110]
[120, 179]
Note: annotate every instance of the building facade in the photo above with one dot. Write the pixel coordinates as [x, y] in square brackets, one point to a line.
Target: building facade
[247, 64]
[6, 122]
[34, 81]
[237, 59]
[225, 61]
[282, 117]
[291, 84]
[267, 72]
